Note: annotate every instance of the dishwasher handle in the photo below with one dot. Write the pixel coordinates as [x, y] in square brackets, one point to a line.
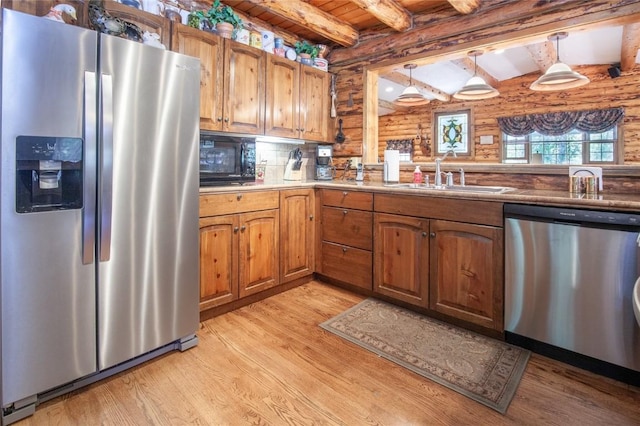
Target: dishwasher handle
[571, 216]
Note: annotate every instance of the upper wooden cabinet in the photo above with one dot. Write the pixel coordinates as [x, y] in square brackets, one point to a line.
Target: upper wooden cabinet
[314, 104]
[209, 48]
[232, 80]
[283, 98]
[297, 100]
[145, 20]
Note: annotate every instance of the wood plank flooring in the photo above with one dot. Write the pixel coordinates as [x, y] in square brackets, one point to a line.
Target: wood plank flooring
[270, 364]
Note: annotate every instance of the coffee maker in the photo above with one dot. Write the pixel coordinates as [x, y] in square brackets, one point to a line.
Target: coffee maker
[324, 166]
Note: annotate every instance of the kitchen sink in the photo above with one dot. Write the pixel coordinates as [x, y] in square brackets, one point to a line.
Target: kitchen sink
[455, 188]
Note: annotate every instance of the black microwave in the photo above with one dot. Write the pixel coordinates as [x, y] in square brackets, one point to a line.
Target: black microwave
[226, 159]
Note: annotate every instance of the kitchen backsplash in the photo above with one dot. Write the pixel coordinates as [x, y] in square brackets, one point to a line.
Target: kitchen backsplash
[277, 155]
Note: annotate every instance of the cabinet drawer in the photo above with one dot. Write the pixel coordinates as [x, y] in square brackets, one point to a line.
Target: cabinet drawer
[237, 202]
[347, 264]
[470, 211]
[348, 199]
[350, 227]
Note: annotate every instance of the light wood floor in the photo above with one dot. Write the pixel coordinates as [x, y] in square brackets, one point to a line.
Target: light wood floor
[270, 364]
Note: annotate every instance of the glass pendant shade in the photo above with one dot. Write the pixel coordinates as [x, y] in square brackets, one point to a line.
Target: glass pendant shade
[410, 95]
[559, 76]
[476, 88]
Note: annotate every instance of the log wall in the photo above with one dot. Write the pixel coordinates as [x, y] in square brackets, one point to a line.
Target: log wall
[516, 99]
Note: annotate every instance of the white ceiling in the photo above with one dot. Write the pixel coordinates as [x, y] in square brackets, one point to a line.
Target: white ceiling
[595, 47]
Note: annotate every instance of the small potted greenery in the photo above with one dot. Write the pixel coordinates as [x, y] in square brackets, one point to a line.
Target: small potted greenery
[222, 17]
[307, 51]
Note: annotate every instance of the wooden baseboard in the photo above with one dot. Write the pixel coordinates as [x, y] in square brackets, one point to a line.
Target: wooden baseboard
[231, 306]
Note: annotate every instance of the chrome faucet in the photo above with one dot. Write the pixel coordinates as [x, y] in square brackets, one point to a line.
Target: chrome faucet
[438, 182]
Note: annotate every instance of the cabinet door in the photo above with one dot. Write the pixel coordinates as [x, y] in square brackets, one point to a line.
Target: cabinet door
[218, 260]
[145, 20]
[314, 104]
[258, 243]
[209, 48]
[466, 278]
[244, 88]
[297, 237]
[283, 98]
[401, 258]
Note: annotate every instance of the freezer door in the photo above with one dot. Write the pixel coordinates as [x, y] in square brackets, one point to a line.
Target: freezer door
[148, 248]
[46, 269]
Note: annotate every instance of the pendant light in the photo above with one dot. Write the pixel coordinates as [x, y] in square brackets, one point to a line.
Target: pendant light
[476, 88]
[559, 76]
[411, 96]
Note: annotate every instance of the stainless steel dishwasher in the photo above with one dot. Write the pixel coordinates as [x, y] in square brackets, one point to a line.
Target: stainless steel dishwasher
[569, 277]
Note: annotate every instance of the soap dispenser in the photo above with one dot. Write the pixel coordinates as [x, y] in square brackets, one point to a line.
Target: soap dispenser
[417, 175]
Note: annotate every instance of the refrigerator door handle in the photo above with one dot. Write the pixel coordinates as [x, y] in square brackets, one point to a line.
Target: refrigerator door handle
[106, 172]
[90, 140]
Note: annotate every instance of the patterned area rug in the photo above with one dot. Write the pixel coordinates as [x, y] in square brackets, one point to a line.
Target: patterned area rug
[483, 369]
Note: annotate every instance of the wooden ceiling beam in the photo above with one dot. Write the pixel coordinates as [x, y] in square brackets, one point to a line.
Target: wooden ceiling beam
[468, 65]
[403, 80]
[465, 6]
[389, 12]
[630, 46]
[313, 18]
[543, 54]
[387, 105]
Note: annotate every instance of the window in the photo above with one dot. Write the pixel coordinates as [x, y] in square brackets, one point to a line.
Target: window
[572, 148]
[453, 133]
[563, 137]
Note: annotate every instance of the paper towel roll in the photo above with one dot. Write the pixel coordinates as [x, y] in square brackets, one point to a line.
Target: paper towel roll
[391, 166]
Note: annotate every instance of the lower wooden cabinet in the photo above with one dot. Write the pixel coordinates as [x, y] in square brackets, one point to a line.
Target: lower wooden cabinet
[347, 264]
[297, 233]
[238, 256]
[466, 277]
[401, 258]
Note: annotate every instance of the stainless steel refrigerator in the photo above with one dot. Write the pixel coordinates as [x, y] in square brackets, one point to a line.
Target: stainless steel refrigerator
[99, 214]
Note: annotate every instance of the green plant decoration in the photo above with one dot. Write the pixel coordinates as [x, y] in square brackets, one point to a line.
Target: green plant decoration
[220, 13]
[216, 14]
[306, 47]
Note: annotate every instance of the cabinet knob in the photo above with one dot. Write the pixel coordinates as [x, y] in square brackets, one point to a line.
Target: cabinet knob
[226, 120]
[310, 217]
[302, 130]
[239, 197]
[344, 212]
[433, 235]
[219, 119]
[345, 193]
[242, 228]
[344, 249]
[424, 234]
[235, 229]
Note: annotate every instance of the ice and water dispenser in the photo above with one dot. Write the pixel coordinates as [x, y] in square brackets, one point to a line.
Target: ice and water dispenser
[48, 173]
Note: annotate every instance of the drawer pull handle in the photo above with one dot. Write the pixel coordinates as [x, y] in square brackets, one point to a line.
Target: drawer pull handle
[310, 217]
[344, 212]
[344, 249]
[239, 197]
[345, 193]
